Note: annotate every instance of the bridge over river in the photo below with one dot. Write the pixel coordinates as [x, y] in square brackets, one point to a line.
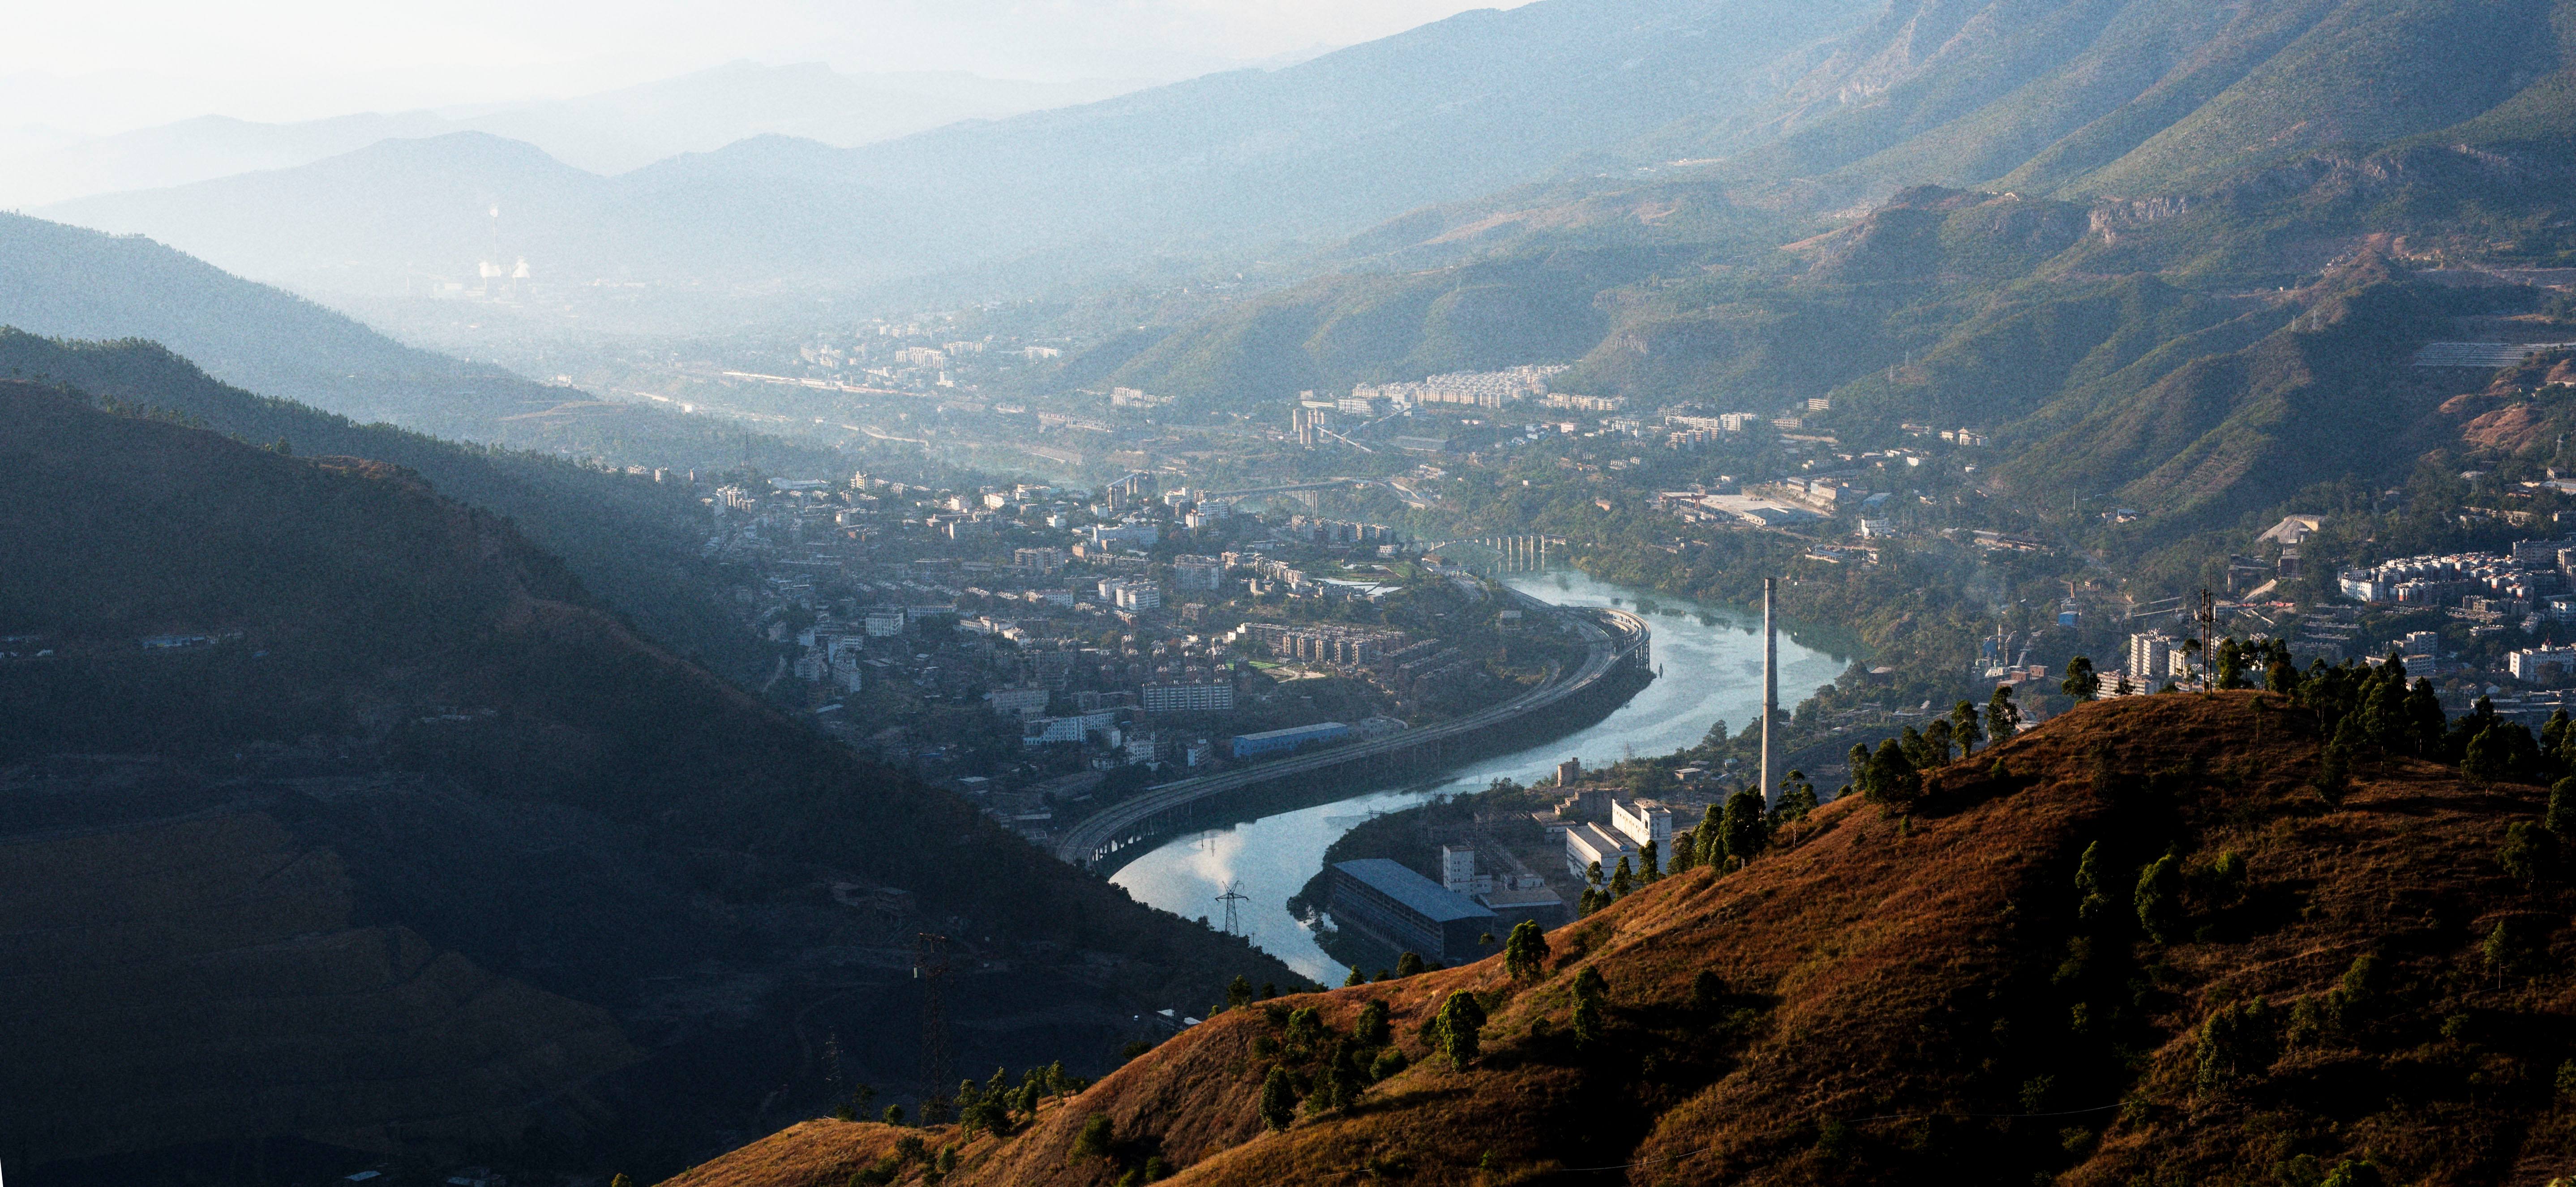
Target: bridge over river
[1619, 655]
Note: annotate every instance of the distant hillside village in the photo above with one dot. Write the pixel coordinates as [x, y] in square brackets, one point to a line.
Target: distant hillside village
[2496, 624]
[1048, 650]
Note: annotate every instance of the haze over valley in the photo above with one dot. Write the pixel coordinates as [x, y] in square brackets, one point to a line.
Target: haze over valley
[800, 595]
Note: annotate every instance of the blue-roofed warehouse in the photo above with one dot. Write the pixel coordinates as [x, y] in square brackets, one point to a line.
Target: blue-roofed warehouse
[1282, 741]
[1407, 911]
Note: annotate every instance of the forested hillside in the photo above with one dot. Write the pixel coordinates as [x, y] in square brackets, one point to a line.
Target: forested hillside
[634, 543]
[2199, 357]
[394, 843]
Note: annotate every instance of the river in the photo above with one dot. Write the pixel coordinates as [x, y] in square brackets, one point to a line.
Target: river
[1711, 658]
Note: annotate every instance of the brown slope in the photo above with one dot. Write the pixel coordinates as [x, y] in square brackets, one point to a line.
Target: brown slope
[1907, 1001]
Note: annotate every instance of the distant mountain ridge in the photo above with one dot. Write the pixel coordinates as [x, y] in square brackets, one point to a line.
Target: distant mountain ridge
[1802, 107]
[68, 282]
[60, 281]
[605, 133]
[1319, 149]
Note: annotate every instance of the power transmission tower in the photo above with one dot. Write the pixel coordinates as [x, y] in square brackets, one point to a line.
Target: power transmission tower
[1233, 894]
[930, 967]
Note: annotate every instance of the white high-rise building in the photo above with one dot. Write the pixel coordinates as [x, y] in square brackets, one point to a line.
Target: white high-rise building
[1458, 868]
[2150, 656]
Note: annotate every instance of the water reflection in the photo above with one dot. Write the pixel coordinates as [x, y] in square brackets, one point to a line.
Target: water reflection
[1711, 658]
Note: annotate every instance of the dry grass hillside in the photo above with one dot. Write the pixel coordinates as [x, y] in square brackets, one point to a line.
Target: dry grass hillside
[1927, 996]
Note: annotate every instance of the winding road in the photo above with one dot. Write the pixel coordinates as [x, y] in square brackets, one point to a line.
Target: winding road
[1616, 640]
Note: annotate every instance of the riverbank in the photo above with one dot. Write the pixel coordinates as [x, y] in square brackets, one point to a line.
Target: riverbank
[1711, 662]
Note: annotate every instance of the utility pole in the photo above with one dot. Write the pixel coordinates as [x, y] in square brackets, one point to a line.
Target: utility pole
[930, 967]
[2208, 617]
[1770, 688]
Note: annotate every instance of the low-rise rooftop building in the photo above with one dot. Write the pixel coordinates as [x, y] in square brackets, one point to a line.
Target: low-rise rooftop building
[1406, 911]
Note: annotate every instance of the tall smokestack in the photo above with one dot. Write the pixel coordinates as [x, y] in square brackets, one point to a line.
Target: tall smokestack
[1770, 689]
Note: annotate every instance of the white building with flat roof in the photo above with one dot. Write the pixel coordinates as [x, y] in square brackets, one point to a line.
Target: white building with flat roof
[1587, 842]
[1641, 821]
[1458, 871]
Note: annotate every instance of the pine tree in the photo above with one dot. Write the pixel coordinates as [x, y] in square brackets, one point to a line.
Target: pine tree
[1371, 1028]
[2003, 717]
[1409, 964]
[1893, 778]
[1587, 1015]
[2081, 682]
[1963, 727]
[1619, 882]
[1936, 742]
[1797, 798]
[1098, 1137]
[2091, 904]
[1525, 953]
[1305, 1029]
[2231, 665]
[2334, 775]
[2159, 898]
[1278, 1099]
[1742, 828]
[2528, 852]
[2504, 750]
[1354, 979]
[1460, 1023]
[1647, 865]
[2561, 816]
[1685, 849]
[2383, 718]
[2237, 1041]
[1916, 751]
[2281, 675]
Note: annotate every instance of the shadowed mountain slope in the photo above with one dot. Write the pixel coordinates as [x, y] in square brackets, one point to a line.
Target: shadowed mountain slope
[567, 896]
[633, 542]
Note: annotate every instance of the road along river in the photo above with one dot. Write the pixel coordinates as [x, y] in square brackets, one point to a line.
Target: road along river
[1711, 660]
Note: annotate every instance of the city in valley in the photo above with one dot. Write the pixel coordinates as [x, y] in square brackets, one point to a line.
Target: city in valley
[1673, 591]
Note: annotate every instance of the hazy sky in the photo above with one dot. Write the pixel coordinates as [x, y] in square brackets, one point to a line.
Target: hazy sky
[106, 65]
